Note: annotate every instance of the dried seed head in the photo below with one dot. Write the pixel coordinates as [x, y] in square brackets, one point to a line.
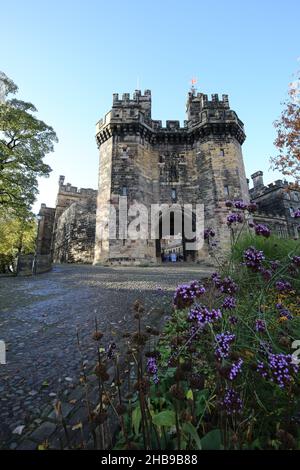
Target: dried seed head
[197, 382]
[97, 335]
[142, 385]
[177, 392]
[138, 306]
[139, 339]
[101, 371]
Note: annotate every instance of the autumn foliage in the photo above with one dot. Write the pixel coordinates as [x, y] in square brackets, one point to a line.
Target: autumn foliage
[288, 134]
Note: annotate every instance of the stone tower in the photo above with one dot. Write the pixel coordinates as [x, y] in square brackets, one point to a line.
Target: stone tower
[201, 162]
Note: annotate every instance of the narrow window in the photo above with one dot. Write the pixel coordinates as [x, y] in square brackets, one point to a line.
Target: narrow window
[222, 152]
[226, 190]
[124, 191]
[174, 194]
[291, 211]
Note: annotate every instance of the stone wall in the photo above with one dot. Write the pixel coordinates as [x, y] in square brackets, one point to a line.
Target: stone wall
[75, 234]
[279, 199]
[31, 264]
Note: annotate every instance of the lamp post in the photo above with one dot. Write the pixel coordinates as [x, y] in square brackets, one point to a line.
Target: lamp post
[34, 264]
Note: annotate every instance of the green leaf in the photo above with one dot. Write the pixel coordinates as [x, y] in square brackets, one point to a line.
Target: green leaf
[190, 429]
[136, 419]
[164, 418]
[189, 394]
[212, 440]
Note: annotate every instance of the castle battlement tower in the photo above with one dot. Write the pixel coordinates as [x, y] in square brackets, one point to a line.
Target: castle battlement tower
[201, 162]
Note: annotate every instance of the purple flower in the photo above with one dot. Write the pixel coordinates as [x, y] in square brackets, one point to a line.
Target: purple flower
[216, 278]
[222, 347]
[234, 218]
[266, 273]
[202, 315]
[297, 214]
[185, 294]
[278, 369]
[260, 326]
[229, 303]
[110, 350]
[283, 286]
[152, 368]
[253, 258]
[240, 205]
[233, 319]
[275, 265]
[209, 232]
[261, 229]
[232, 402]
[296, 260]
[235, 369]
[284, 312]
[252, 207]
[228, 286]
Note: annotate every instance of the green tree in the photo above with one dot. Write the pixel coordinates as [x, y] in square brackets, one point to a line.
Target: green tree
[17, 234]
[24, 142]
[288, 134]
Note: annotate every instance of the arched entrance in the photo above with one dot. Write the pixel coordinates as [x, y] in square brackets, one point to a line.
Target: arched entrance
[171, 246]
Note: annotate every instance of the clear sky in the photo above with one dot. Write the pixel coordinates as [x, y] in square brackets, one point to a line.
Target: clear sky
[69, 56]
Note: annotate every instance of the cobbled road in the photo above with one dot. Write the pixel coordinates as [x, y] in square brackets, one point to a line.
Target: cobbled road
[39, 320]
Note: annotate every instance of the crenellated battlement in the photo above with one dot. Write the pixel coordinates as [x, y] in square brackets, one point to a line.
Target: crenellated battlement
[74, 190]
[133, 114]
[126, 100]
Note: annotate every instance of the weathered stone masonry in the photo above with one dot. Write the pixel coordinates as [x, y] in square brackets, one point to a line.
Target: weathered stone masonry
[71, 224]
[199, 163]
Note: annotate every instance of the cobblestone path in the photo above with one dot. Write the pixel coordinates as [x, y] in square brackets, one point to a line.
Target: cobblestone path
[39, 318]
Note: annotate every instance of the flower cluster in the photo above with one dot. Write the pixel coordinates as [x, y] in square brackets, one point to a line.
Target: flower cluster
[202, 315]
[209, 232]
[110, 350]
[232, 402]
[283, 286]
[266, 273]
[297, 214]
[233, 319]
[261, 229]
[235, 369]
[234, 218]
[279, 369]
[253, 258]
[226, 286]
[229, 303]
[152, 368]
[284, 312]
[260, 326]
[185, 294]
[275, 265]
[222, 347]
[240, 205]
[296, 260]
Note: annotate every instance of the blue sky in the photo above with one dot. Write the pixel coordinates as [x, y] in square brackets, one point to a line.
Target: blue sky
[68, 57]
